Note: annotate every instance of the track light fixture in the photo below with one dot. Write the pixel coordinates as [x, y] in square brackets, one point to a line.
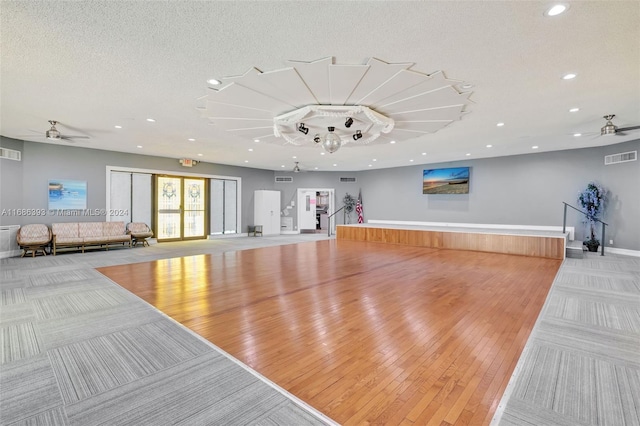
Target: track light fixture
[302, 128]
[349, 122]
[346, 123]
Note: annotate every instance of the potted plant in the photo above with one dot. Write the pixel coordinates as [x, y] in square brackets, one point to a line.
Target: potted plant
[349, 203]
[592, 201]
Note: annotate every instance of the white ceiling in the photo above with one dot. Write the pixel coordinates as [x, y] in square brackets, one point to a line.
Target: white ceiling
[94, 65]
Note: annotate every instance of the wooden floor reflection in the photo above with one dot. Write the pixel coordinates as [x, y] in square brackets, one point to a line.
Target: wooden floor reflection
[364, 332]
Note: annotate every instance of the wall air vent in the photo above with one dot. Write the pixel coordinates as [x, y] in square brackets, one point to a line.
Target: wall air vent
[284, 179]
[620, 158]
[10, 154]
[347, 179]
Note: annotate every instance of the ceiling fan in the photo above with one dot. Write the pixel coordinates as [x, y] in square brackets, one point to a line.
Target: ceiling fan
[55, 135]
[298, 169]
[611, 129]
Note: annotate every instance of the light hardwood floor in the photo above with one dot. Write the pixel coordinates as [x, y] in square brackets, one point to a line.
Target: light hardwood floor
[364, 332]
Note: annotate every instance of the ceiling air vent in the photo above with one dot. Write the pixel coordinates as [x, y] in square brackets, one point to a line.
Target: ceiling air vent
[620, 158]
[347, 179]
[10, 154]
[284, 179]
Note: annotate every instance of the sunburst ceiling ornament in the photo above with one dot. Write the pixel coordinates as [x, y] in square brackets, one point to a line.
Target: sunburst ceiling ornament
[323, 104]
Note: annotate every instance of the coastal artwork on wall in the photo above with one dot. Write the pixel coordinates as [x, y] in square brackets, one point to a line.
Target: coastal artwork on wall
[454, 180]
[67, 194]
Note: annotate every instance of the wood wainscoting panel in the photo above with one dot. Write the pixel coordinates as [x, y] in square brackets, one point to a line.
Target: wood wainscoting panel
[523, 245]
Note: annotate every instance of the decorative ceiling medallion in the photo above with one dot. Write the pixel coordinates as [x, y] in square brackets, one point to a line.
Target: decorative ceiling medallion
[321, 103]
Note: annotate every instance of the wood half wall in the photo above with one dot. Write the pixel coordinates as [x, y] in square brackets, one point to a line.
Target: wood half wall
[550, 247]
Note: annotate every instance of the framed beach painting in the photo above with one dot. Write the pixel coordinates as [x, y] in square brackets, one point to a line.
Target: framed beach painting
[65, 194]
[453, 180]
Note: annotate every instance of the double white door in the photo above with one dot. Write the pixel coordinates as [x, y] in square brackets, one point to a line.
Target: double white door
[267, 211]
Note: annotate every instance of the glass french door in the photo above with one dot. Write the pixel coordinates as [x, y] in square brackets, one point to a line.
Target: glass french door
[181, 208]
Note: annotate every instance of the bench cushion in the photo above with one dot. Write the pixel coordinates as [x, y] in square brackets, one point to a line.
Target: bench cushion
[69, 240]
[90, 229]
[113, 228]
[65, 230]
[33, 234]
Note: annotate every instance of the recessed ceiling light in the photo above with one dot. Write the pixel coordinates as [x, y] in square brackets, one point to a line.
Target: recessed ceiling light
[118, 127]
[370, 165]
[282, 165]
[489, 146]
[199, 155]
[411, 161]
[392, 142]
[335, 165]
[534, 147]
[139, 146]
[569, 76]
[466, 86]
[574, 110]
[315, 168]
[500, 124]
[250, 149]
[191, 140]
[151, 120]
[214, 82]
[555, 10]
[294, 157]
[246, 161]
[424, 153]
[256, 140]
[374, 160]
[322, 153]
[577, 134]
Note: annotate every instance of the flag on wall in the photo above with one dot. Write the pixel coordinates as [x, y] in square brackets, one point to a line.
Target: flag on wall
[359, 208]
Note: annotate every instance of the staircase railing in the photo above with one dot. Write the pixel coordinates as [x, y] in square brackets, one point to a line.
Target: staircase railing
[329, 219]
[564, 223]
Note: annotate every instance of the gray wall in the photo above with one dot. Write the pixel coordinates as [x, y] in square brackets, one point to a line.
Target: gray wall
[43, 161]
[523, 189]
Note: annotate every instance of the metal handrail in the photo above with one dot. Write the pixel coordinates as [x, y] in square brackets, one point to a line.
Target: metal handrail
[329, 219]
[595, 219]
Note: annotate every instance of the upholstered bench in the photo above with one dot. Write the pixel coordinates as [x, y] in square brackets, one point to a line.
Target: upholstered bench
[34, 237]
[86, 234]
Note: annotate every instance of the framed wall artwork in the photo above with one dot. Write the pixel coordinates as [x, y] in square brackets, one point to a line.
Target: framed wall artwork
[65, 194]
[453, 180]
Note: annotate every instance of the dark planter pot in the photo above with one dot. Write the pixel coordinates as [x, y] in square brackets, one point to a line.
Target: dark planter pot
[592, 247]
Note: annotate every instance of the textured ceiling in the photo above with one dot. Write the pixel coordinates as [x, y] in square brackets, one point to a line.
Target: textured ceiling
[94, 65]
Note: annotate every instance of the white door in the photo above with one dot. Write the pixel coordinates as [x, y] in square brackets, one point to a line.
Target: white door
[307, 209]
[267, 211]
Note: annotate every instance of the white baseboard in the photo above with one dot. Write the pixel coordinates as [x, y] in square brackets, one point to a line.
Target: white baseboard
[289, 232]
[10, 253]
[221, 236]
[625, 252]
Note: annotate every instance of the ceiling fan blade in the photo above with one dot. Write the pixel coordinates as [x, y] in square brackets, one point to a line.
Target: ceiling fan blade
[74, 137]
[624, 129]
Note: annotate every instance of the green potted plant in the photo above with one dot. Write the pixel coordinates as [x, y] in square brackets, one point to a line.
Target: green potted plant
[349, 203]
[592, 201]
